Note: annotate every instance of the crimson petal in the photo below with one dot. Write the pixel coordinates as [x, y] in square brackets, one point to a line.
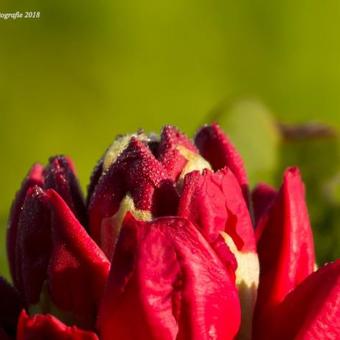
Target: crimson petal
[285, 246]
[39, 327]
[167, 282]
[214, 202]
[311, 311]
[76, 263]
[313, 308]
[169, 154]
[54, 247]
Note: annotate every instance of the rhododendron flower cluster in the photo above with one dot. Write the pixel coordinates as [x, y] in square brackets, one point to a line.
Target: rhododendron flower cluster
[170, 243]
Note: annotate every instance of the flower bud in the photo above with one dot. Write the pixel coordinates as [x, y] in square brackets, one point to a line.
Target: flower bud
[34, 177]
[148, 172]
[54, 251]
[60, 175]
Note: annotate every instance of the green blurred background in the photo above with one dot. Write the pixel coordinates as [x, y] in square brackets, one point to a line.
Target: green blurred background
[84, 72]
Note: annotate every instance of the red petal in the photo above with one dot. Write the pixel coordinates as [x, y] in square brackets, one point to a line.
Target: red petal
[137, 172]
[214, 203]
[311, 311]
[217, 149]
[39, 327]
[168, 153]
[285, 247]
[168, 283]
[60, 176]
[34, 177]
[33, 244]
[263, 196]
[10, 308]
[76, 263]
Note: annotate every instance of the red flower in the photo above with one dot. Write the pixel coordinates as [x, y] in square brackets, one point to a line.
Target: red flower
[164, 248]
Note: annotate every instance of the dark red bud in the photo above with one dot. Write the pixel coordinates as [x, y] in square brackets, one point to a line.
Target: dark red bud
[34, 177]
[48, 327]
[53, 247]
[168, 283]
[60, 176]
[33, 244]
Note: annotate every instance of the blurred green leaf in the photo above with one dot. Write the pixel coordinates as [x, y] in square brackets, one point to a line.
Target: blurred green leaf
[252, 129]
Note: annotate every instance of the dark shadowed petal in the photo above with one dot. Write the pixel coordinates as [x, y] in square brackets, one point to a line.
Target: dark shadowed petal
[285, 246]
[4, 335]
[168, 283]
[217, 149]
[10, 307]
[95, 176]
[60, 176]
[78, 269]
[39, 327]
[262, 197]
[34, 177]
